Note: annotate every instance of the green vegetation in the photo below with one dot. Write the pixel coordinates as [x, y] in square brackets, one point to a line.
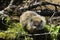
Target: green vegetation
[15, 31]
[54, 31]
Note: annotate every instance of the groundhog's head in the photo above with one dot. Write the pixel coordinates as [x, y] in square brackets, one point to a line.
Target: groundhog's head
[36, 23]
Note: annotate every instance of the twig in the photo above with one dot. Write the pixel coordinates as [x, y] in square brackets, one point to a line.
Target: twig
[51, 21]
[2, 11]
[9, 4]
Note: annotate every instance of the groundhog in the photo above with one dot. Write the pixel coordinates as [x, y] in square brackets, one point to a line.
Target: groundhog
[32, 21]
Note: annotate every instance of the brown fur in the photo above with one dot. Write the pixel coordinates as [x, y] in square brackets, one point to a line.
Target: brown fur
[31, 18]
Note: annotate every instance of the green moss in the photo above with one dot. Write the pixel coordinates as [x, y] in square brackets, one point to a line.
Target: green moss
[12, 31]
[54, 30]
